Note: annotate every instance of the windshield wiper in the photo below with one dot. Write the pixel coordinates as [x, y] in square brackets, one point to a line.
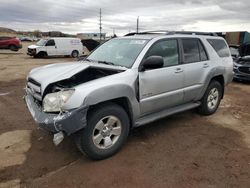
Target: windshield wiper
[106, 62]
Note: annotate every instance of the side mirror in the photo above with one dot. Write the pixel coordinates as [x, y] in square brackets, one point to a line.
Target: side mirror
[152, 62]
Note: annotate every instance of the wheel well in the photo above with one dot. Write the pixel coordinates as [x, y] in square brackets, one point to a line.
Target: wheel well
[123, 102]
[42, 52]
[75, 51]
[220, 79]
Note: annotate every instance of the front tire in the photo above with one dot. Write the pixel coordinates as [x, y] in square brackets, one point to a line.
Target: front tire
[41, 55]
[106, 132]
[211, 99]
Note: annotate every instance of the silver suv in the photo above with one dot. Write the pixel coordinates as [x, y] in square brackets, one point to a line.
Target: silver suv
[128, 82]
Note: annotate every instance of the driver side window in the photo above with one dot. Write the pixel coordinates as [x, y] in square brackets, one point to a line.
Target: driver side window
[168, 50]
[50, 43]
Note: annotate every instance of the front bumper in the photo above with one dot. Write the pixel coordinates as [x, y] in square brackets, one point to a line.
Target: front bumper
[241, 76]
[68, 122]
[31, 52]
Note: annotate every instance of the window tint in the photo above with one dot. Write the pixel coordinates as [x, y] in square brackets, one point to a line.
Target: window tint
[168, 50]
[50, 43]
[220, 47]
[191, 50]
[203, 54]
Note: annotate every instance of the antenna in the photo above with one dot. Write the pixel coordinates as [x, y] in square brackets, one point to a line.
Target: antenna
[100, 23]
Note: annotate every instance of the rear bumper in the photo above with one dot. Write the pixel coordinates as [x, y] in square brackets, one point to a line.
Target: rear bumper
[68, 122]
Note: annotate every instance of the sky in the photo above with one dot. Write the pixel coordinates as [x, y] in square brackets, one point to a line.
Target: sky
[119, 16]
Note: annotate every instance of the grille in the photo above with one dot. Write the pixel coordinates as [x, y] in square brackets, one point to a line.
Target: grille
[245, 70]
[34, 88]
[31, 50]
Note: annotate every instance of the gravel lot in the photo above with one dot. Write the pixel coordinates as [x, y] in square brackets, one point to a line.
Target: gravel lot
[185, 150]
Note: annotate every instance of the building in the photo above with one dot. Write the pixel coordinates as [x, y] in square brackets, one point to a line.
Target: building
[94, 36]
[236, 38]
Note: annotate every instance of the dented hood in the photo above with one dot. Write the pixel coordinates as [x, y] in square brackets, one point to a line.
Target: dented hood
[33, 46]
[48, 74]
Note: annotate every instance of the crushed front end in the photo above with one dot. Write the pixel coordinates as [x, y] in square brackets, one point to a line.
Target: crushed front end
[67, 122]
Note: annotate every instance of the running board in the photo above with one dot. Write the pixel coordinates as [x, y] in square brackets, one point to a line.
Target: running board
[164, 113]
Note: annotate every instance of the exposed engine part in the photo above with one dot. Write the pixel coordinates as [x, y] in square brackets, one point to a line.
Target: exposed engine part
[81, 77]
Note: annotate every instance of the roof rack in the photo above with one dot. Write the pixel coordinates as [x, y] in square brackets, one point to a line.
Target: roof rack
[194, 33]
[172, 33]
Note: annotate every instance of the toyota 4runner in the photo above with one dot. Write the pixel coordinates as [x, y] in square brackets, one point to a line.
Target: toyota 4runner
[128, 82]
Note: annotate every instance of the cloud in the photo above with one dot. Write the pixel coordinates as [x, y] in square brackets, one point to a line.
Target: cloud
[82, 15]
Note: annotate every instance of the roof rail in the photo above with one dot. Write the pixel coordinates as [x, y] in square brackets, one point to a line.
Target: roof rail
[193, 33]
[148, 32]
[172, 33]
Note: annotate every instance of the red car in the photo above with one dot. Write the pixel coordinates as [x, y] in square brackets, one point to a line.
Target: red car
[11, 43]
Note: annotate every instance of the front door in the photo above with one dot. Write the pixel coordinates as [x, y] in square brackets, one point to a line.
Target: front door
[162, 88]
[51, 47]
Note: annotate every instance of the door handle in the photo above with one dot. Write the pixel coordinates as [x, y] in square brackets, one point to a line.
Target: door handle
[205, 65]
[178, 70]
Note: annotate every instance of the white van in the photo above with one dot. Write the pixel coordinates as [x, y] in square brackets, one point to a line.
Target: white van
[56, 47]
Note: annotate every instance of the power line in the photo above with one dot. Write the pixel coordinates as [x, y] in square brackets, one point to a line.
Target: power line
[137, 25]
[100, 24]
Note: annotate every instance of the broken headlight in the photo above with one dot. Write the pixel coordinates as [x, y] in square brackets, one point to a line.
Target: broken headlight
[54, 102]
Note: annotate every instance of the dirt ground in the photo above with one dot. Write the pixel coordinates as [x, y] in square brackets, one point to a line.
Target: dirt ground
[185, 150]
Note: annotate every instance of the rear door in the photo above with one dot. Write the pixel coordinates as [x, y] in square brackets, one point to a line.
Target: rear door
[195, 66]
[162, 88]
[51, 47]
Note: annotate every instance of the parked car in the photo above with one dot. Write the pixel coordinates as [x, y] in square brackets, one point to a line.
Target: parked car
[26, 39]
[242, 63]
[60, 46]
[126, 83]
[11, 43]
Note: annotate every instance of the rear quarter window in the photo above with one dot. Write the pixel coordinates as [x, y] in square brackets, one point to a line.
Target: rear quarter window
[220, 47]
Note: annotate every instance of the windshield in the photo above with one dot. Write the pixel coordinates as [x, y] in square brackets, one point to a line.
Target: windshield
[121, 52]
[41, 42]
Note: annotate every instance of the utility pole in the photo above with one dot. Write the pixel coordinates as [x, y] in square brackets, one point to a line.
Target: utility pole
[100, 24]
[137, 25]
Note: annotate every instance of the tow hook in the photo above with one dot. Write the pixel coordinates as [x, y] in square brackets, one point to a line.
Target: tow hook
[58, 138]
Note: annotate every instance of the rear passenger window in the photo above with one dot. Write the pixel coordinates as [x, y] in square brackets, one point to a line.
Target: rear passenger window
[191, 50]
[203, 54]
[167, 49]
[220, 47]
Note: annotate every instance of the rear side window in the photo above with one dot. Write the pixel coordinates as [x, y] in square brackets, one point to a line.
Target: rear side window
[203, 54]
[5, 38]
[190, 50]
[220, 47]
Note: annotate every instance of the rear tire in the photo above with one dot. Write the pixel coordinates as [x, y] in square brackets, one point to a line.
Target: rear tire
[106, 132]
[13, 48]
[75, 54]
[211, 99]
